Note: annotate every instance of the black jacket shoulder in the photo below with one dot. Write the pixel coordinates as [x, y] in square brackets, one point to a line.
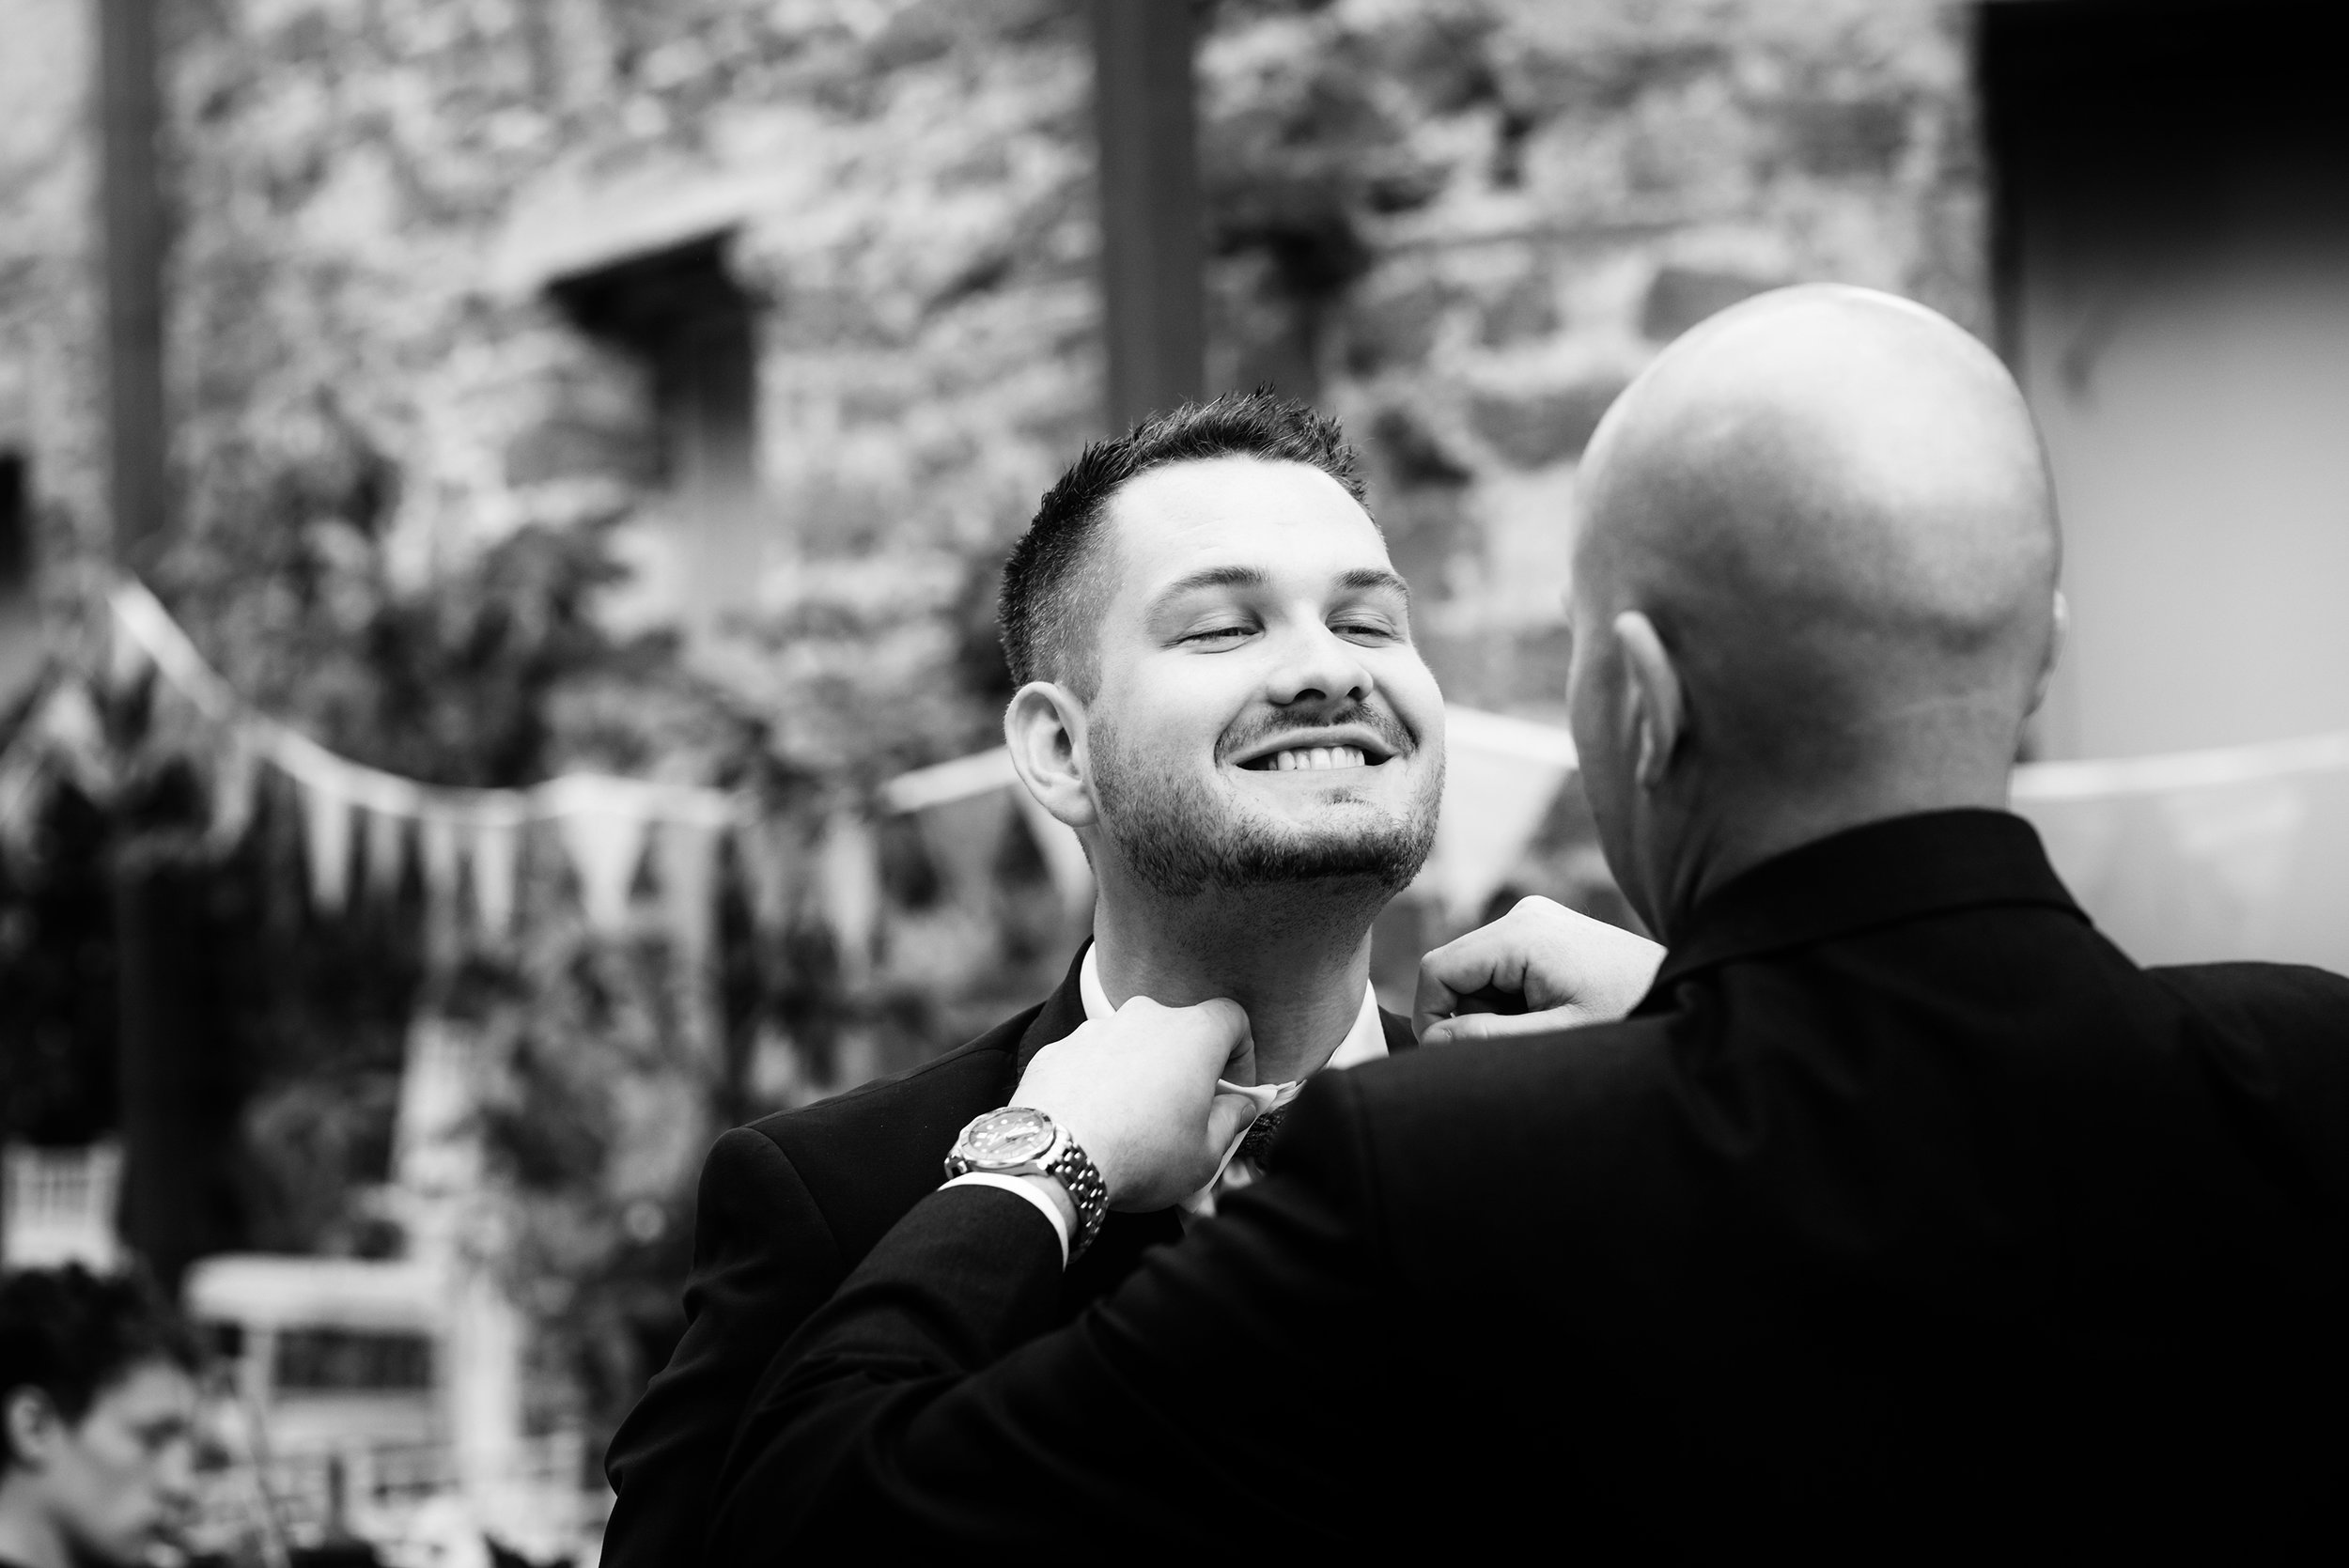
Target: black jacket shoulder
[786, 1207]
[867, 1156]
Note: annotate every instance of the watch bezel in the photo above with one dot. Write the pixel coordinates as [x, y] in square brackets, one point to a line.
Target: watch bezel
[1046, 1133]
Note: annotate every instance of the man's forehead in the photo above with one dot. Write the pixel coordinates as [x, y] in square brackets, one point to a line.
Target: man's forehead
[151, 1386]
[1236, 511]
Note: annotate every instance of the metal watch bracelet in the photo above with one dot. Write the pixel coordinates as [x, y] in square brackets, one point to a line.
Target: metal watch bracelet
[1068, 1164]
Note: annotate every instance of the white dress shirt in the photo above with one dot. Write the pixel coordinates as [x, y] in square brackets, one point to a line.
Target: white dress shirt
[1366, 1041]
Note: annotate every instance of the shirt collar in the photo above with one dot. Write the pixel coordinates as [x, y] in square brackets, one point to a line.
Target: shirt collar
[1365, 1042]
[1869, 876]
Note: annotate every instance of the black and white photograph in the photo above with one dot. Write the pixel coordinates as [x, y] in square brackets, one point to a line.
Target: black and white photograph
[873, 781]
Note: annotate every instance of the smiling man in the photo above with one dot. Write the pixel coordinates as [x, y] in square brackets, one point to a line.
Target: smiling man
[1218, 691]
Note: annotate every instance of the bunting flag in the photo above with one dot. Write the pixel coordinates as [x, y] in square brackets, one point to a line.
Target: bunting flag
[686, 854]
[235, 780]
[439, 860]
[22, 772]
[386, 854]
[1500, 777]
[965, 839]
[494, 850]
[2240, 853]
[963, 815]
[1064, 852]
[603, 824]
[848, 879]
[128, 661]
[325, 840]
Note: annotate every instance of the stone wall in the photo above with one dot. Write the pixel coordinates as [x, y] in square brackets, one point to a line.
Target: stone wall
[1515, 205]
[1462, 224]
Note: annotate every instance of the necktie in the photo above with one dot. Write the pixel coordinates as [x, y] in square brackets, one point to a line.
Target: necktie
[1256, 1143]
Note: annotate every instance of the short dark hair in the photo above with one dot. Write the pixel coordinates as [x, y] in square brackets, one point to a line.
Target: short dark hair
[1041, 612]
[72, 1333]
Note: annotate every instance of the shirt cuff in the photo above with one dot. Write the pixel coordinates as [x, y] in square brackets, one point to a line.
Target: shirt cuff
[1026, 1189]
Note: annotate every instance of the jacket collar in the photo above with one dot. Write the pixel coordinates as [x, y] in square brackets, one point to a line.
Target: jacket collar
[1058, 1018]
[1869, 875]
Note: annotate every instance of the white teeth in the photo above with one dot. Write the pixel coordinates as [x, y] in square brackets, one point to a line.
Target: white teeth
[1317, 758]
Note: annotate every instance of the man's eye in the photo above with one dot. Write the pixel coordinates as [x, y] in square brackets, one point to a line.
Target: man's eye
[1379, 630]
[1218, 633]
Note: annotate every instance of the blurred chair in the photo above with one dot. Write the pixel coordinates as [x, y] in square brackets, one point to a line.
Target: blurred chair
[59, 1207]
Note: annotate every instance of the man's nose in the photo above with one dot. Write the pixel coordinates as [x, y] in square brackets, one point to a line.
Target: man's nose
[175, 1476]
[1314, 664]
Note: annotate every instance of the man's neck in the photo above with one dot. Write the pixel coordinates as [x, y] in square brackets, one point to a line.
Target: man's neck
[1295, 958]
[1717, 848]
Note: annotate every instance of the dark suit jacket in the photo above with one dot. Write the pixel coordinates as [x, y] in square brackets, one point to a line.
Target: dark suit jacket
[1905, 1218]
[787, 1206]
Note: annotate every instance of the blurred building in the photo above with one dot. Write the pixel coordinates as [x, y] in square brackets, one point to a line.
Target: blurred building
[808, 289]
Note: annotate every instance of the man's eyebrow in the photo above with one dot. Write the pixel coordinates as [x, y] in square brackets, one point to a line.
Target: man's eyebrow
[1361, 578]
[1215, 576]
[1375, 576]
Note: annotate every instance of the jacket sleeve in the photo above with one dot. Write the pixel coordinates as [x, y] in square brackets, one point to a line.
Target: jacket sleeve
[1225, 1388]
[763, 1260]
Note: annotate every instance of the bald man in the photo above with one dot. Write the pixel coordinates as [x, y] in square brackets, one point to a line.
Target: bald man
[1902, 1216]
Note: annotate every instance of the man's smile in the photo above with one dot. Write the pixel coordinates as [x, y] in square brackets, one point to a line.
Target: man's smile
[1316, 751]
[1311, 758]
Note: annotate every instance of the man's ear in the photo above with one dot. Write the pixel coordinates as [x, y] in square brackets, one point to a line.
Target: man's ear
[1045, 729]
[2056, 636]
[33, 1426]
[1653, 705]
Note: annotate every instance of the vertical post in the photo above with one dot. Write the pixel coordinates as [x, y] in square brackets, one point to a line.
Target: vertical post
[131, 243]
[1151, 250]
[179, 1099]
[178, 1114]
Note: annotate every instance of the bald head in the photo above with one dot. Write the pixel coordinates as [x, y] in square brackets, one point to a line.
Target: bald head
[1831, 508]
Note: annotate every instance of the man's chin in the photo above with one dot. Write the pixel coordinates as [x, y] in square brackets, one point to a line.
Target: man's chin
[1364, 846]
[1251, 829]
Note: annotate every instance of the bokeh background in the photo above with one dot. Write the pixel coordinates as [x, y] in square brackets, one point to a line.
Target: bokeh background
[500, 504]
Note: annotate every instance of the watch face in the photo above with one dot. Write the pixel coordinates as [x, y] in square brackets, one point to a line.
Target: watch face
[1011, 1136]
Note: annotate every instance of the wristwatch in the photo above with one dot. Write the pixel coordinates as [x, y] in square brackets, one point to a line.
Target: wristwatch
[1018, 1141]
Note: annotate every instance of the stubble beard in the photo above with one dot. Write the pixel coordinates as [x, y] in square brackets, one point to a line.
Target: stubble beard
[1182, 840]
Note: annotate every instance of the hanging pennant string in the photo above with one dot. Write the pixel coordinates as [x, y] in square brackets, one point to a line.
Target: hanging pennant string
[142, 617]
[2232, 853]
[943, 791]
[602, 821]
[1501, 775]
